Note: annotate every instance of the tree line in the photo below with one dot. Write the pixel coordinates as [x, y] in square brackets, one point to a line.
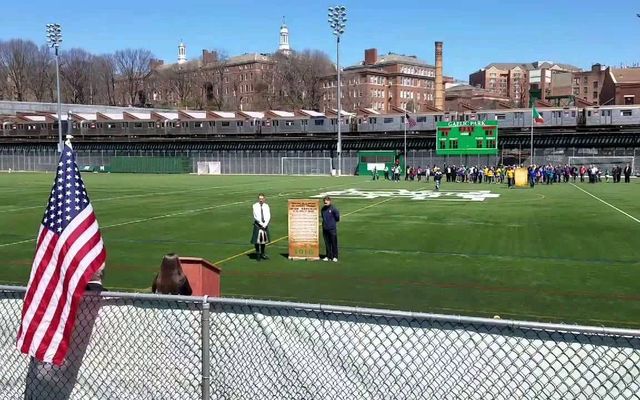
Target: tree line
[128, 77]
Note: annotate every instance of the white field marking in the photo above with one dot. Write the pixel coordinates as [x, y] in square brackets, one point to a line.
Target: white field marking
[445, 195]
[129, 196]
[610, 205]
[137, 221]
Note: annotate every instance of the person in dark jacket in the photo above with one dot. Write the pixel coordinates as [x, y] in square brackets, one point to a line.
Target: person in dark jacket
[330, 218]
[627, 174]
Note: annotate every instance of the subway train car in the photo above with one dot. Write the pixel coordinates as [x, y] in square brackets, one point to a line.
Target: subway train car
[204, 124]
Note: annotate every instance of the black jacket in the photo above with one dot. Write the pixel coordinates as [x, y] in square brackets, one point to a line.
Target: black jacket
[330, 217]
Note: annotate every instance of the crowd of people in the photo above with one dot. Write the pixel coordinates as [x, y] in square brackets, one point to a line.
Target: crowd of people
[500, 174]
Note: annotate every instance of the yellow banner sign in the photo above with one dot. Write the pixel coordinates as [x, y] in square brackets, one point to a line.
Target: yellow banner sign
[304, 229]
[522, 177]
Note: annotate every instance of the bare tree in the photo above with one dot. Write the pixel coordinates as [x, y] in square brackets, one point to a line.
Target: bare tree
[16, 59]
[299, 78]
[42, 75]
[211, 79]
[133, 66]
[75, 70]
[181, 82]
[104, 79]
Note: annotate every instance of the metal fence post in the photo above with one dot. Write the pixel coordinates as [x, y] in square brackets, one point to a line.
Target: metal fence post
[206, 350]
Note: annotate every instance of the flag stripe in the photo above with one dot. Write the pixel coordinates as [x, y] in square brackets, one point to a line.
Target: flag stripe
[66, 329]
[40, 264]
[50, 295]
[69, 250]
[56, 287]
[37, 287]
[70, 286]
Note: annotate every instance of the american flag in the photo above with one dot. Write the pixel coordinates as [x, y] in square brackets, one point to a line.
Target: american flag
[69, 251]
[412, 122]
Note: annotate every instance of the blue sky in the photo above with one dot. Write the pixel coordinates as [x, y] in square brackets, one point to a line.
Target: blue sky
[474, 33]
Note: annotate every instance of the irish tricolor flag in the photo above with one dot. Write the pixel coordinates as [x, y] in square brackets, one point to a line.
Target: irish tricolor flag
[537, 118]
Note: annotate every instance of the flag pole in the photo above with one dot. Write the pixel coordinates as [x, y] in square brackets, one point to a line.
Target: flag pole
[532, 133]
[405, 141]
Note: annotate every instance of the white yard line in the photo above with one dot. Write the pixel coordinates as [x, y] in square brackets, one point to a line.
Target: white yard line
[610, 205]
[129, 196]
[175, 214]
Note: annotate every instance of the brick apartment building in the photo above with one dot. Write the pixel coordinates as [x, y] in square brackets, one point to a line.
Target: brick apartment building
[569, 87]
[517, 81]
[384, 82]
[620, 86]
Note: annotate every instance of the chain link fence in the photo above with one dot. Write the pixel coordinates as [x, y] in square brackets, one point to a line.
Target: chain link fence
[293, 162]
[136, 346]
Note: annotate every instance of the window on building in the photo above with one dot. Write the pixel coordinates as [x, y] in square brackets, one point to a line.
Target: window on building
[585, 80]
[595, 95]
[629, 99]
[585, 90]
[626, 113]
[576, 81]
[595, 84]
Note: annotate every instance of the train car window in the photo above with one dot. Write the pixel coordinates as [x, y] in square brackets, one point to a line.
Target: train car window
[388, 120]
[225, 123]
[212, 123]
[373, 120]
[588, 113]
[626, 113]
[421, 119]
[500, 116]
[288, 123]
[198, 124]
[519, 115]
[137, 124]
[125, 124]
[573, 113]
[151, 124]
[99, 125]
[239, 123]
[319, 122]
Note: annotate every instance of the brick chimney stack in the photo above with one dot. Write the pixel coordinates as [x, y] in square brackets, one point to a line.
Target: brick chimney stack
[370, 56]
[439, 103]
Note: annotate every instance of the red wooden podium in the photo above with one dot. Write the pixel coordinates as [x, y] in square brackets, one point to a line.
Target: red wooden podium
[203, 276]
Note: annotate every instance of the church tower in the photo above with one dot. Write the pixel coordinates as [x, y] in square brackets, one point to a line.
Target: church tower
[182, 53]
[284, 47]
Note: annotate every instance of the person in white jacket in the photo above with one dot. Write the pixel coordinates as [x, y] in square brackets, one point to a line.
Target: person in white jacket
[261, 219]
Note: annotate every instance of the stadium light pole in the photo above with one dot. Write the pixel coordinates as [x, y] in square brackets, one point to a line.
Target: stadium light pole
[54, 39]
[337, 22]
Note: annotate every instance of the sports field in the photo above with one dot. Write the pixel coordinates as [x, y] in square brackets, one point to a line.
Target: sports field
[563, 253]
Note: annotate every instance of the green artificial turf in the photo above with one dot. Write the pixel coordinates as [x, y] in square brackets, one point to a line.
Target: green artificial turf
[552, 253]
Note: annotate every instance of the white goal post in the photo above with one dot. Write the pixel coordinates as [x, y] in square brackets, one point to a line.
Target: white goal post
[603, 162]
[305, 165]
[209, 168]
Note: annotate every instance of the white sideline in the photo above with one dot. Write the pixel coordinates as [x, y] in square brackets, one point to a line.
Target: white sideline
[137, 221]
[610, 205]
